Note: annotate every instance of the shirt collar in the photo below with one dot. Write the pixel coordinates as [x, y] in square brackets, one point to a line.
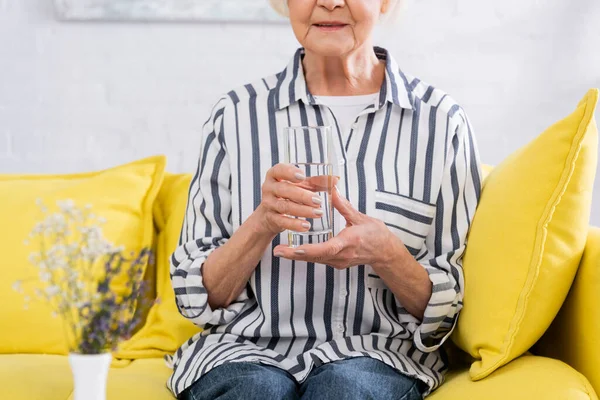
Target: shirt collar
[291, 84]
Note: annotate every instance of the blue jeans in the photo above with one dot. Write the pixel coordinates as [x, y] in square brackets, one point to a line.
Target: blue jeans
[354, 378]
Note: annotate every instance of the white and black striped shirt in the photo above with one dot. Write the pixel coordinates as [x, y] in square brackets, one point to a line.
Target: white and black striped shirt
[410, 159]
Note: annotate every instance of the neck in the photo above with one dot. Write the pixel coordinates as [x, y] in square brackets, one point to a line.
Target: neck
[356, 73]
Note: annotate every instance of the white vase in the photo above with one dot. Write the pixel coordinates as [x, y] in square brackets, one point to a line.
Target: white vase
[90, 372]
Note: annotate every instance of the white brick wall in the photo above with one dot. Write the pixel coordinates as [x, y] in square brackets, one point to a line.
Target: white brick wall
[81, 96]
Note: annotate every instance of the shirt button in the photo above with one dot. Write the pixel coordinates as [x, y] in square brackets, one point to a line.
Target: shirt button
[343, 292]
[340, 327]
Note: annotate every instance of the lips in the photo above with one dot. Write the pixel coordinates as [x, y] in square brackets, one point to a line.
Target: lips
[330, 26]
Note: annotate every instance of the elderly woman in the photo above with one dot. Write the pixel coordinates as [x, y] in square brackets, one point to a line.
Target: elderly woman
[364, 314]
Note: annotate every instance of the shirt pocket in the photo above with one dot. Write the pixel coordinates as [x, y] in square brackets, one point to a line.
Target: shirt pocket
[408, 218]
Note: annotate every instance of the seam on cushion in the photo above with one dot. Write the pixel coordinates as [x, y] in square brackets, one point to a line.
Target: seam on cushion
[586, 385]
[157, 177]
[158, 216]
[541, 236]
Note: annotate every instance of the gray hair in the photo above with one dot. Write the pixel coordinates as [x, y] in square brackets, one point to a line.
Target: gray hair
[393, 14]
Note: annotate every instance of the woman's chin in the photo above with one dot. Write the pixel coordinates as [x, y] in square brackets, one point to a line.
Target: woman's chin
[329, 48]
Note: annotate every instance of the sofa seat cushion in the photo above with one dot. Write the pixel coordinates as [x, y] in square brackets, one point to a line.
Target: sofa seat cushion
[142, 379]
[526, 378]
[48, 377]
[35, 376]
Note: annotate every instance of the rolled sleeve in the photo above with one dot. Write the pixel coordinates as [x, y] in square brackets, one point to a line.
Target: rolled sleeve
[455, 207]
[191, 295]
[207, 226]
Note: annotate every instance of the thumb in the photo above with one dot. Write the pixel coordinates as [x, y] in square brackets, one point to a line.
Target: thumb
[344, 206]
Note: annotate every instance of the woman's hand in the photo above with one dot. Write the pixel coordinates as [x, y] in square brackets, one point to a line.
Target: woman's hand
[286, 191]
[365, 240]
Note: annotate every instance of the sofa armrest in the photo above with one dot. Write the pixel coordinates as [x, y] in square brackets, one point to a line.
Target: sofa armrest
[574, 336]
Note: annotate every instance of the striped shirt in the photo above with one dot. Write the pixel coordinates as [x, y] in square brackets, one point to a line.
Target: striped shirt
[409, 159]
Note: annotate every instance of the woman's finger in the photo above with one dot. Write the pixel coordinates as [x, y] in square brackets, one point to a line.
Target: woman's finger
[288, 223]
[320, 252]
[350, 214]
[287, 207]
[286, 172]
[289, 191]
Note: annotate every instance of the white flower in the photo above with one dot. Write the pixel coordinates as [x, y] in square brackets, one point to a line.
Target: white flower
[52, 290]
[56, 223]
[33, 257]
[38, 228]
[41, 205]
[66, 206]
[17, 287]
[45, 276]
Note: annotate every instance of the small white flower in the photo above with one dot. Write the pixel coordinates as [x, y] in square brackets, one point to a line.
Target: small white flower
[45, 276]
[66, 206]
[52, 290]
[38, 228]
[17, 287]
[41, 205]
[33, 257]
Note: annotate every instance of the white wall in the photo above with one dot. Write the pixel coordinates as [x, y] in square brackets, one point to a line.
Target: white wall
[81, 96]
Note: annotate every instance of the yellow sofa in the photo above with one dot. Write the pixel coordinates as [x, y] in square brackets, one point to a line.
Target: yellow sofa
[573, 342]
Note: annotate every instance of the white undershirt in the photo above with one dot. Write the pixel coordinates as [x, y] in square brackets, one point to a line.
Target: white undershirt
[347, 108]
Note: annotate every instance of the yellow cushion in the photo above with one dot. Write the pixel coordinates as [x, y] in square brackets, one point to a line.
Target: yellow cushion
[49, 377]
[142, 379]
[123, 195]
[165, 329]
[526, 241]
[526, 378]
[35, 376]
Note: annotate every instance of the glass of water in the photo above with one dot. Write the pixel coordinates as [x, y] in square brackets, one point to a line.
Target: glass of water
[310, 149]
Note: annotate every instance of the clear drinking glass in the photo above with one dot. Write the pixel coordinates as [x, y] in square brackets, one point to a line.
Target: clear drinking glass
[310, 149]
